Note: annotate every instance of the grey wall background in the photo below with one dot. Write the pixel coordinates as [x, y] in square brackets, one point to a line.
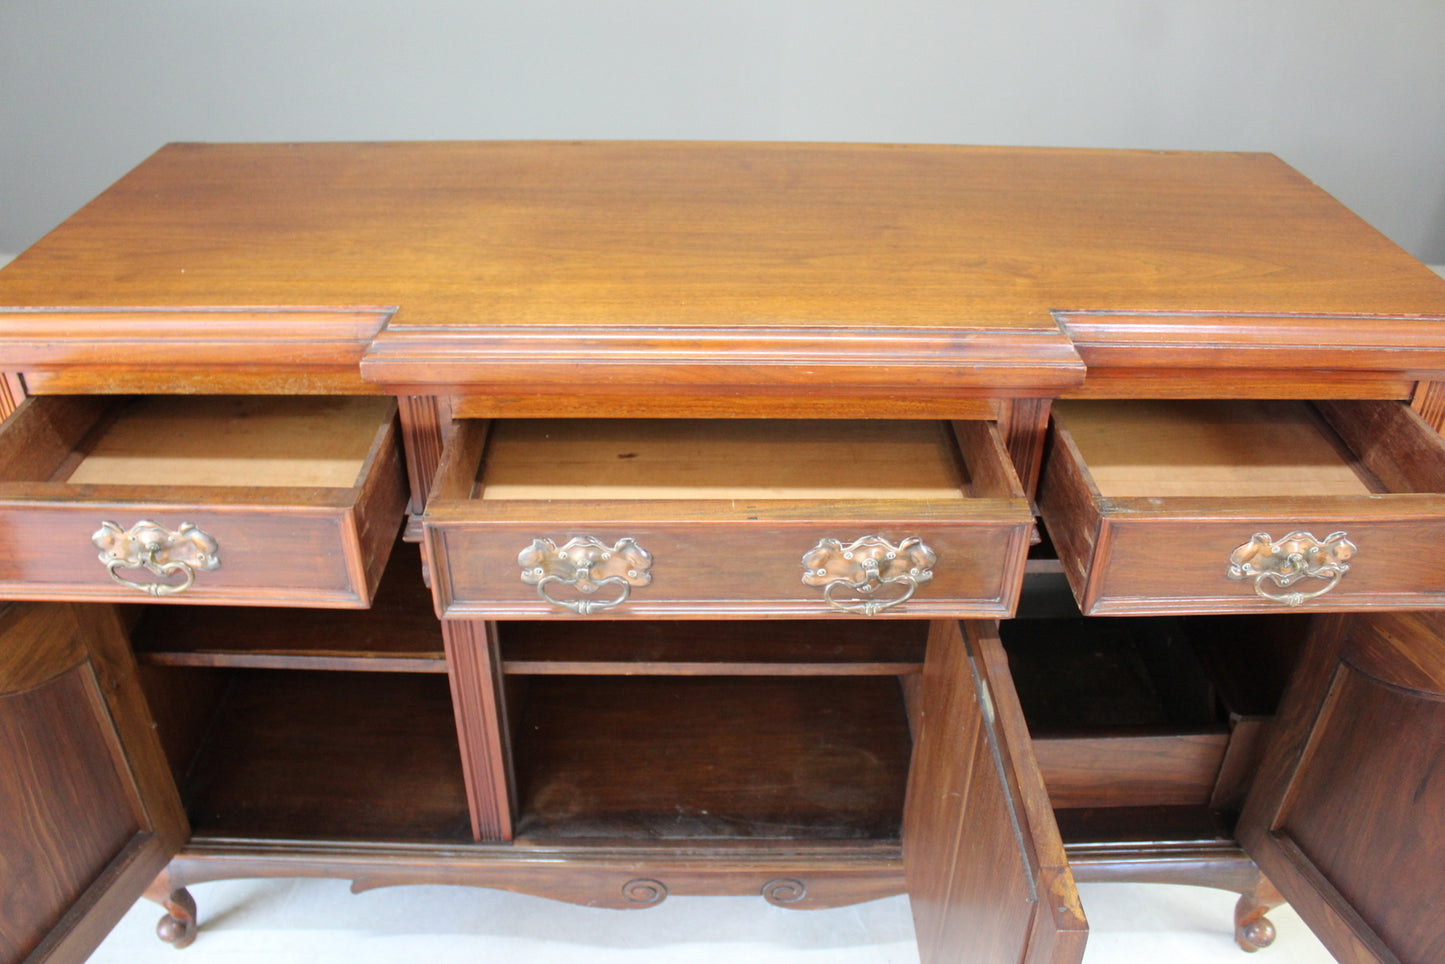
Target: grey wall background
[1352, 92]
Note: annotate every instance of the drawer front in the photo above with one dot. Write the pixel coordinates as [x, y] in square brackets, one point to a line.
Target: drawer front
[916, 556]
[1324, 550]
[80, 523]
[1160, 565]
[745, 567]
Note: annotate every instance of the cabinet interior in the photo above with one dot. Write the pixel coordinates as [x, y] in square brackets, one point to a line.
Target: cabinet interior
[309, 724]
[654, 758]
[399, 633]
[836, 647]
[327, 725]
[1145, 728]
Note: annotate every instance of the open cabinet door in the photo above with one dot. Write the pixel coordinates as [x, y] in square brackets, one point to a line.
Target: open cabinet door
[91, 812]
[986, 870]
[1347, 817]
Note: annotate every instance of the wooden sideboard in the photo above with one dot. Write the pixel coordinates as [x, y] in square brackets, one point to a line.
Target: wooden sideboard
[607, 521]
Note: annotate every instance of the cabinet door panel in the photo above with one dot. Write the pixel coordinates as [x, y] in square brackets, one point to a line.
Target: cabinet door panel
[91, 811]
[985, 866]
[1348, 819]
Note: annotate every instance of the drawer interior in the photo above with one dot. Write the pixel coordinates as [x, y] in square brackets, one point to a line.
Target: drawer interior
[538, 459]
[243, 441]
[719, 516]
[1211, 448]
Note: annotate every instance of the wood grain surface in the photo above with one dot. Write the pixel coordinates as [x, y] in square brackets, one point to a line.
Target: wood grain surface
[1348, 813]
[91, 812]
[878, 277]
[987, 873]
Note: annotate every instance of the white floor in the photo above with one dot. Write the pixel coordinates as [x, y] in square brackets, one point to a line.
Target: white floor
[322, 922]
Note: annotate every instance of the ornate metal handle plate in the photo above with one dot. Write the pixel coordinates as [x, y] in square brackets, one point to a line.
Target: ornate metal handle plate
[866, 565]
[158, 550]
[1297, 556]
[586, 565]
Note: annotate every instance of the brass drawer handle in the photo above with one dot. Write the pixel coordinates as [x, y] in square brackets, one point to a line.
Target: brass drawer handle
[1297, 556]
[158, 550]
[866, 565]
[586, 565]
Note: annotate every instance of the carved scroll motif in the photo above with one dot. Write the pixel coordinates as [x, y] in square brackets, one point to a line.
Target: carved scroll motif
[644, 892]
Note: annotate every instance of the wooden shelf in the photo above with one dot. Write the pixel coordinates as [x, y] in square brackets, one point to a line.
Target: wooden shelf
[330, 756]
[711, 757]
[1126, 826]
[399, 633]
[722, 648]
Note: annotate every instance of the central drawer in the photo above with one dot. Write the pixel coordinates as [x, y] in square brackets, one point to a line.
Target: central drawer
[693, 517]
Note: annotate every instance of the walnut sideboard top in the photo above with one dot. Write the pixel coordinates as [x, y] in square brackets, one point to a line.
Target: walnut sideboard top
[719, 279]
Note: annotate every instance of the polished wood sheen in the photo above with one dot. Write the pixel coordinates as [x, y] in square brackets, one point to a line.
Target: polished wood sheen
[986, 868]
[484, 726]
[500, 240]
[1356, 757]
[282, 351]
[751, 348]
[91, 814]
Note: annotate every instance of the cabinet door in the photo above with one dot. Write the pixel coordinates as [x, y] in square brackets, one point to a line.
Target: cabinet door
[985, 866]
[89, 812]
[1348, 815]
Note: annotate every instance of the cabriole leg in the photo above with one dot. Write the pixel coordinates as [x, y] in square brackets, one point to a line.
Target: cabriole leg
[178, 926]
[1252, 929]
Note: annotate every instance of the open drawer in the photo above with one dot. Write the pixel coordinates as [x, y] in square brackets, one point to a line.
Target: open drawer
[249, 500]
[1246, 506]
[681, 517]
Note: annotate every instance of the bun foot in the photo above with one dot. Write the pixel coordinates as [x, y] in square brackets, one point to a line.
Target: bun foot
[178, 926]
[1252, 929]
